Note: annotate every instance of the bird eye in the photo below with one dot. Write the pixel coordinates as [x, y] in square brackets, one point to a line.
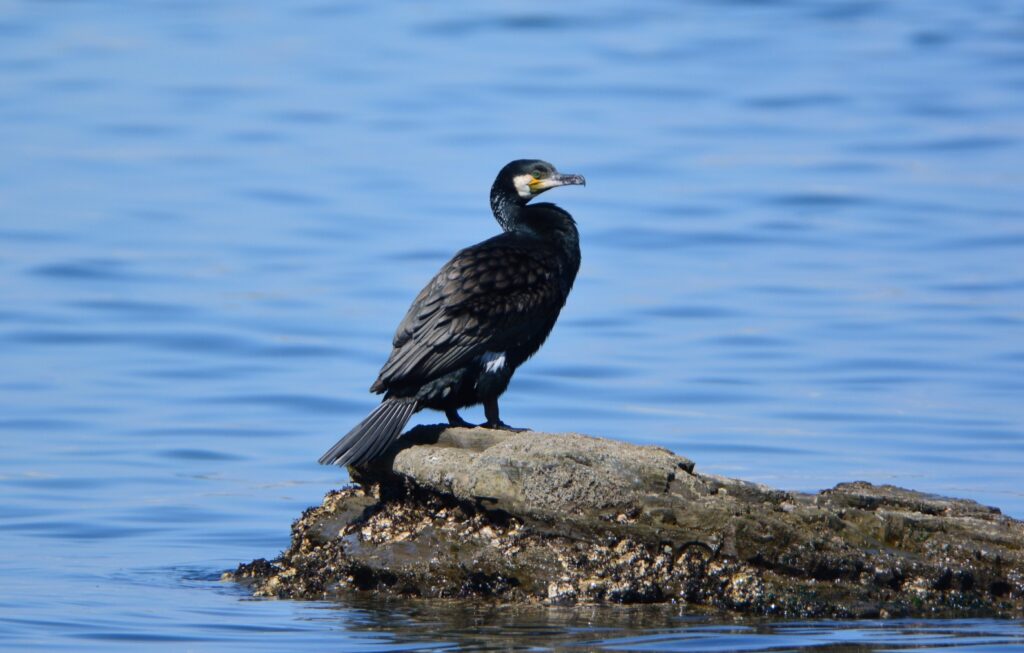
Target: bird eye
[536, 174]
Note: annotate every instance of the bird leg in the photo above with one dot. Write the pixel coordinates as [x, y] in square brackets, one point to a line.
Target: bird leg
[454, 419]
[493, 421]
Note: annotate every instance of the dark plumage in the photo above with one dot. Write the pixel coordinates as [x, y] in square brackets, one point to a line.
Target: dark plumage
[488, 310]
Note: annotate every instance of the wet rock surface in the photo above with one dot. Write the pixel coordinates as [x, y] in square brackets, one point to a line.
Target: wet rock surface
[564, 519]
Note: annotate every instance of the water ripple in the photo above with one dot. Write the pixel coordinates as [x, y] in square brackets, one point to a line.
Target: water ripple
[302, 404]
[196, 342]
[99, 269]
[798, 278]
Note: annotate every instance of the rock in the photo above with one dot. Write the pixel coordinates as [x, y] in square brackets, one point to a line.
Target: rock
[536, 517]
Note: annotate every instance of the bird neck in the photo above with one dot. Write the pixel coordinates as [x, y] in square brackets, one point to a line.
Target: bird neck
[507, 207]
[552, 224]
[542, 220]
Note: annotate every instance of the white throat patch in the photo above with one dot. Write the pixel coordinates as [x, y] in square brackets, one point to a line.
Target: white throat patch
[493, 361]
[522, 183]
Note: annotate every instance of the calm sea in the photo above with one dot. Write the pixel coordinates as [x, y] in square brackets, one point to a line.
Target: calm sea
[803, 243]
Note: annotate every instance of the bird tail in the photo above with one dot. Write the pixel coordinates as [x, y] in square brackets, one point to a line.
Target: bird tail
[372, 436]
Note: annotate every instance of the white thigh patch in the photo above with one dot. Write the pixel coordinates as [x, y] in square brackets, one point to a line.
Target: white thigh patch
[493, 361]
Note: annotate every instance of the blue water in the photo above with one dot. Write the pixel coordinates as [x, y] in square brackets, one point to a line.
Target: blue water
[803, 243]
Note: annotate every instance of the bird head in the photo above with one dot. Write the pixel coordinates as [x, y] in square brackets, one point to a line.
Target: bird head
[528, 178]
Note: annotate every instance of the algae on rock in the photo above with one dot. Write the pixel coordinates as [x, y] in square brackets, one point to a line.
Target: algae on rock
[567, 518]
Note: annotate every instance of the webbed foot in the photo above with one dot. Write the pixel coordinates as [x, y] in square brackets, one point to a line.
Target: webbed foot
[493, 421]
[454, 419]
[501, 426]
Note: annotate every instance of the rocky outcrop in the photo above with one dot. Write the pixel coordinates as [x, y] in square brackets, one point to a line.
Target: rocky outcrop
[568, 518]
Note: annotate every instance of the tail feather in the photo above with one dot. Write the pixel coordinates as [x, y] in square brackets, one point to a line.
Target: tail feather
[401, 415]
[372, 436]
[381, 430]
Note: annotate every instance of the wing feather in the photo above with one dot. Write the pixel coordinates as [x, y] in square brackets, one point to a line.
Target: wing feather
[487, 298]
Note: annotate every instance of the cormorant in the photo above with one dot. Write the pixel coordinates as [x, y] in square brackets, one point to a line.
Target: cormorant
[488, 310]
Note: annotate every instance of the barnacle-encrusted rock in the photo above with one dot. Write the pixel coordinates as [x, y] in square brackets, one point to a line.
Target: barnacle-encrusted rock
[568, 518]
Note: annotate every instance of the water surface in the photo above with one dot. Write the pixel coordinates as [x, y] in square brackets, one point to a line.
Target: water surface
[803, 244]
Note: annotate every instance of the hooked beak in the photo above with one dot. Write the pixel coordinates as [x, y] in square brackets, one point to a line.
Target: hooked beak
[538, 186]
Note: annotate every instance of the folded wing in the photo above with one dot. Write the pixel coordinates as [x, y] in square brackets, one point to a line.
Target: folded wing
[489, 297]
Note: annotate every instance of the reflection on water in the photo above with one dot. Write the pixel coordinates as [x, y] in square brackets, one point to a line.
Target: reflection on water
[485, 627]
[802, 241]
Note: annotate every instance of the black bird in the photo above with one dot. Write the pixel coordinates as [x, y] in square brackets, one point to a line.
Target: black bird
[488, 310]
